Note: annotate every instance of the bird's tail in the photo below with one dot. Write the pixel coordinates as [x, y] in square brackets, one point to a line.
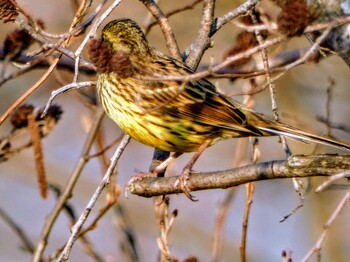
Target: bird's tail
[277, 128]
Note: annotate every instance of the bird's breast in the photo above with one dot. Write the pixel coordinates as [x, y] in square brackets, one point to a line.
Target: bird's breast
[149, 126]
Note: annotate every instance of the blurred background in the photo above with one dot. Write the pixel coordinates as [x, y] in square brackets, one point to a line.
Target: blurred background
[301, 97]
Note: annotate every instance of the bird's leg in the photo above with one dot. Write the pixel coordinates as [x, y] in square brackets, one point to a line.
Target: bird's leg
[159, 169]
[182, 180]
[162, 166]
[154, 173]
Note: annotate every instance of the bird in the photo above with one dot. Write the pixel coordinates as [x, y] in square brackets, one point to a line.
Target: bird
[172, 115]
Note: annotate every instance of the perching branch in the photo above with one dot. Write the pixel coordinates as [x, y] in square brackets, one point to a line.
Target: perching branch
[296, 166]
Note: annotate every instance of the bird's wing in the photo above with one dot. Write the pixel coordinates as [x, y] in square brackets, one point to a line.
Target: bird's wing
[196, 101]
[199, 102]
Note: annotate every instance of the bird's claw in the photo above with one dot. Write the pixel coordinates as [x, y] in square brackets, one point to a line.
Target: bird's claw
[182, 183]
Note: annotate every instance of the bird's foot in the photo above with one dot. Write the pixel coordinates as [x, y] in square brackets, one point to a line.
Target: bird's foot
[182, 183]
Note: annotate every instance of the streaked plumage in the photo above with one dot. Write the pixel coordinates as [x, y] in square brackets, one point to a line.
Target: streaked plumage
[171, 115]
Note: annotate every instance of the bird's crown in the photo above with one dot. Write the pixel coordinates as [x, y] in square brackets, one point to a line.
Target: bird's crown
[125, 35]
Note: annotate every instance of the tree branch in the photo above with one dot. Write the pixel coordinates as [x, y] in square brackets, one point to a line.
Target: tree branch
[158, 14]
[240, 10]
[202, 41]
[296, 166]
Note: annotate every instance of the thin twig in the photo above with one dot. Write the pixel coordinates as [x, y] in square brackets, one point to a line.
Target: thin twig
[86, 243]
[331, 180]
[165, 27]
[311, 50]
[64, 89]
[68, 189]
[30, 91]
[105, 181]
[249, 101]
[50, 45]
[302, 59]
[39, 82]
[293, 211]
[223, 209]
[101, 214]
[174, 12]
[27, 243]
[318, 245]
[103, 150]
[249, 192]
[91, 32]
[202, 41]
[242, 9]
[249, 200]
[128, 241]
[166, 221]
[270, 83]
[339, 126]
[218, 67]
[329, 105]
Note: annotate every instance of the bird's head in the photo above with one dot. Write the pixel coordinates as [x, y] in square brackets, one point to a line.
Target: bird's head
[126, 36]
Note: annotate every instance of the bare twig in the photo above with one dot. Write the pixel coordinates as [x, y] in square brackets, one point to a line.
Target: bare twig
[68, 189]
[249, 101]
[202, 41]
[64, 89]
[293, 211]
[82, 10]
[242, 9]
[339, 126]
[50, 45]
[86, 243]
[91, 32]
[331, 180]
[165, 223]
[220, 220]
[318, 245]
[40, 81]
[223, 209]
[105, 181]
[101, 213]
[165, 27]
[301, 60]
[329, 104]
[311, 50]
[218, 67]
[270, 83]
[174, 12]
[101, 152]
[249, 200]
[128, 241]
[27, 243]
[30, 91]
[265, 60]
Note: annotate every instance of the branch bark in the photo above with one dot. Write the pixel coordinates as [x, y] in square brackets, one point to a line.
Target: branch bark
[296, 166]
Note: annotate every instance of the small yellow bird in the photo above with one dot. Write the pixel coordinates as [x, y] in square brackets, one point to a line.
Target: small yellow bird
[174, 116]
